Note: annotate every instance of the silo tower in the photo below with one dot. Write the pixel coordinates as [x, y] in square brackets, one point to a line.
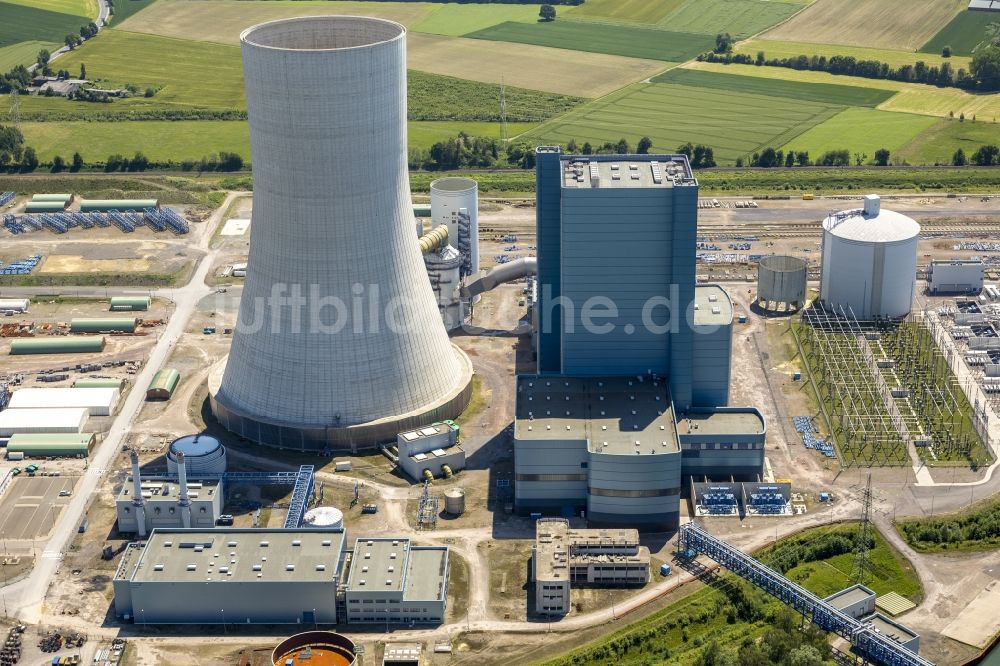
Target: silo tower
[339, 344]
[869, 261]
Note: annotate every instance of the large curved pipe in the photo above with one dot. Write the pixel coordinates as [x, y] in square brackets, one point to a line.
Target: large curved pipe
[434, 239]
[514, 270]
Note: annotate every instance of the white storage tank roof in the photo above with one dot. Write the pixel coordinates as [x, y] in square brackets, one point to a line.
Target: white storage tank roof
[869, 261]
[324, 516]
[203, 454]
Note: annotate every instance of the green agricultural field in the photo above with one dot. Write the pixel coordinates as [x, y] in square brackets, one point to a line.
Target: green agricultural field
[740, 18]
[176, 141]
[963, 34]
[640, 11]
[825, 93]
[74, 7]
[457, 20]
[734, 124]
[862, 130]
[894, 58]
[867, 22]
[629, 41]
[434, 97]
[19, 23]
[909, 97]
[126, 8]
[22, 53]
[938, 143]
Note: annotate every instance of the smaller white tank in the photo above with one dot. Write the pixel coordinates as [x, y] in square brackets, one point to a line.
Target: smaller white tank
[455, 202]
[454, 501]
[327, 517]
[443, 271]
[203, 454]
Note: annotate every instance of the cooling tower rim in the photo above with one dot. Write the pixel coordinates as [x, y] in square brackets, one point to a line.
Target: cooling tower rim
[783, 263]
[333, 19]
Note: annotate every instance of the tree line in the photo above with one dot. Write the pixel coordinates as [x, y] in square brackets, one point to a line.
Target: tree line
[983, 73]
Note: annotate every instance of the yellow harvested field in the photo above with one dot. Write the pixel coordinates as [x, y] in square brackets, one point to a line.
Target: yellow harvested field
[74, 263]
[890, 24]
[223, 20]
[909, 98]
[527, 66]
[894, 58]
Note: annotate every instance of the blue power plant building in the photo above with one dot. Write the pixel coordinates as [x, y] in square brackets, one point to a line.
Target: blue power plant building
[631, 395]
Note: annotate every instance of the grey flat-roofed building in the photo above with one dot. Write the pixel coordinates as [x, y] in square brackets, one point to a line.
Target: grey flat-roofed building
[608, 443]
[238, 576]
[896, 631]
[723, 443]
[162, 504]
[713, 345]
[434, 448]
[956, 276]
[391, 580]
[856, 601]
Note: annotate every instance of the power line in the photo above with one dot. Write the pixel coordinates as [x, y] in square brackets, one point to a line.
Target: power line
[503, 113]
[862, 562]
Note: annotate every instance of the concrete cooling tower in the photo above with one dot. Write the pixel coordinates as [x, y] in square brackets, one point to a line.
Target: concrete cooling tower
[339, 344]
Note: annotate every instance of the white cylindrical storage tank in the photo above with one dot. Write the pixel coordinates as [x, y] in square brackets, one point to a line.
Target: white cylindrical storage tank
[454, 501]
[325, 517]
[203, 454]
[339, 344]
[14, 304]
[869, 261]
[451, 199]
[443, 270]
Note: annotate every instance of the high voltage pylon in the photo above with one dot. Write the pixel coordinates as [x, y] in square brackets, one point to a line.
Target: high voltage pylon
[503, 113]
[862, 562]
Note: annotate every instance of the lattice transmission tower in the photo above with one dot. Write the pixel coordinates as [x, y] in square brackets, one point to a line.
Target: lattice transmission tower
[862, 562]
[503, 113]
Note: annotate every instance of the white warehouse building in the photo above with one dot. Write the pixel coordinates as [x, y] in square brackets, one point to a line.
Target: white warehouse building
[97, 401]
[957, 276]
[869, 261]
[24, 421]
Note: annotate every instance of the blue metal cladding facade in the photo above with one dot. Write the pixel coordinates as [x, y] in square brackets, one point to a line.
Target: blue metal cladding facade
[548, 188]
[684, 250]
[693, 539]
[711, 365]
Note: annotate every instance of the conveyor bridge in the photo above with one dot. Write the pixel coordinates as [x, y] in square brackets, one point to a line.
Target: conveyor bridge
[693, 540]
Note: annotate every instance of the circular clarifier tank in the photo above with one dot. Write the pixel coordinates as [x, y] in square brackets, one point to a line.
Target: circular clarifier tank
[315, 648]
[203, 454]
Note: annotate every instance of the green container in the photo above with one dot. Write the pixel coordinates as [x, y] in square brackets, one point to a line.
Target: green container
[421, 210]
[70, 344]
[126, 303]
[121, 205]
[52, 197]
[39, 445]
[116, 325]
[45, 207]
[99, 383]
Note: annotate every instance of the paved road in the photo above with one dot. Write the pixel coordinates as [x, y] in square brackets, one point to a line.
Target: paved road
[24, 598]
[103, 12]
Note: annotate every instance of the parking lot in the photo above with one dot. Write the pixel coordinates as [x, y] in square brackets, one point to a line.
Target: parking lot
[31, 505]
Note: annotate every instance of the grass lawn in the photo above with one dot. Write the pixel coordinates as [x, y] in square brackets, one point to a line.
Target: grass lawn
[894, 58]
[126, 8]
[909, 97]
[678, 633]
[527, 66]
[867, 22]
[185, 73]
[192, 139]
[826, 93]
[224, 20]
[457, 20]
[734, 124]
[23, 53]
[640, 11]
[740, 18]
[938, 143]
[863, 131]
[86, 8]
[19, 23]
[629, 41]
[435, 97]
[963, 34]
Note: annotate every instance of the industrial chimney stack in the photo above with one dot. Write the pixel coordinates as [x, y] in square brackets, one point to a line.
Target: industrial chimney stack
[184, 500]
[138, 504]
[339, 344]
